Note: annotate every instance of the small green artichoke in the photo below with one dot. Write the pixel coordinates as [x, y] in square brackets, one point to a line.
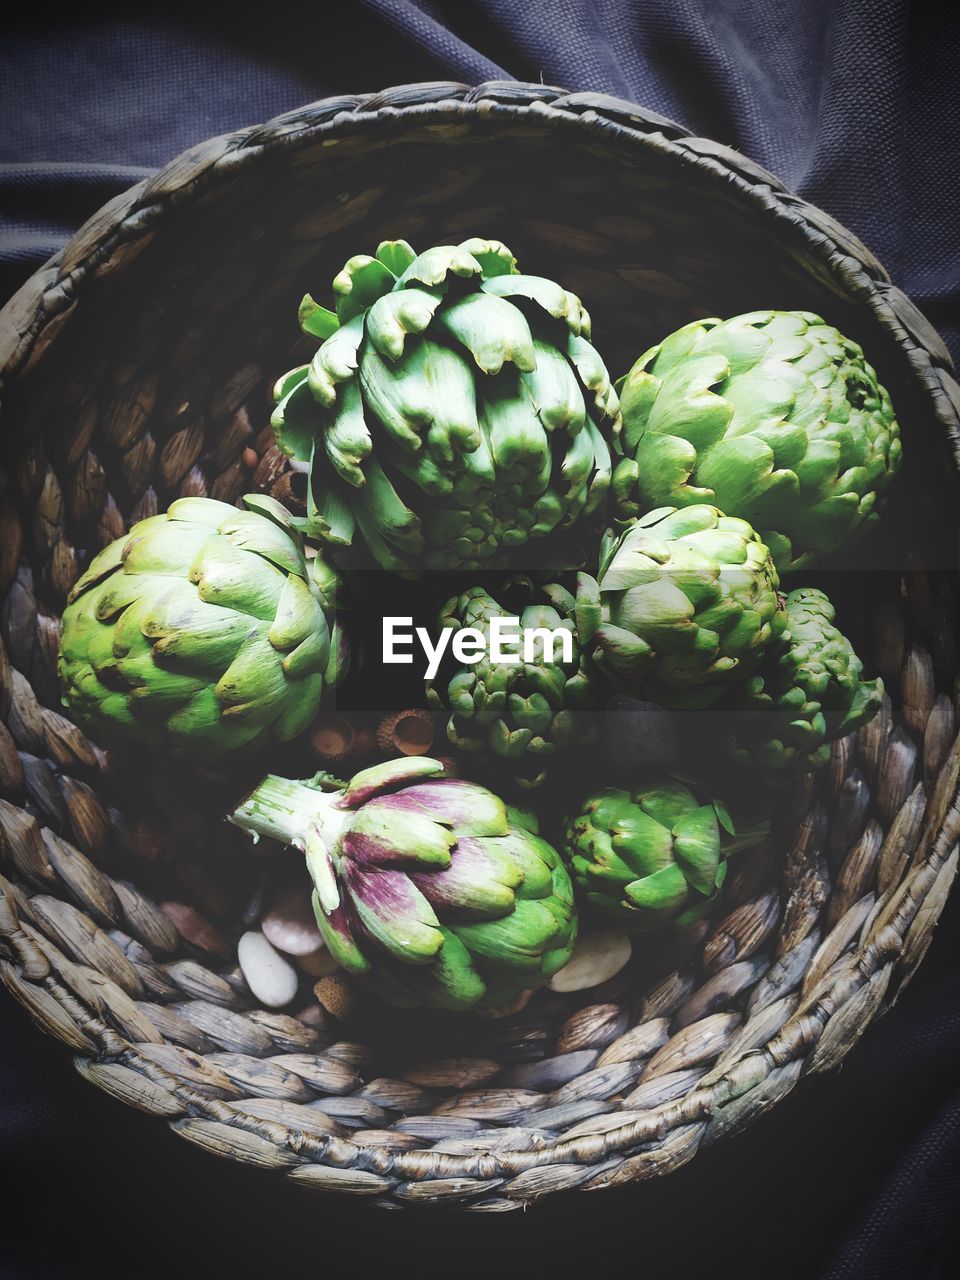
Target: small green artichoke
[807, 692]
[774, 417]
[685, 603]
[201, 631]
[454, 410]
[650, 857]
[426, 887]
[522, 712]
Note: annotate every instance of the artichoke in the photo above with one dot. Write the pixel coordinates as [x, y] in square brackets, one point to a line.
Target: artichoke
[685, 603]
[425, 886]
[807, 692]
[454, 410]
[201, 631]
[523, 712]
[650, 857]
[772, 416]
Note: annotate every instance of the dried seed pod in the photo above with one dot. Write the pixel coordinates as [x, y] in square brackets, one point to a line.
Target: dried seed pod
[406, 733]
[196, 929]
[335, 994]
[332, 737]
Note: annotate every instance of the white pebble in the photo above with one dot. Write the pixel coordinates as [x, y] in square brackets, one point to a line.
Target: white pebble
[597, 956]
[271, 978]
[289, 923]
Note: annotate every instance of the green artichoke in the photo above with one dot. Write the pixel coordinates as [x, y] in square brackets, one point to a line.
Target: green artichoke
[424, 885]
[772, 416]
[201, 631]
[522, 712]
[454, 410]
[650, 857]
[807, 692]
[685, 603]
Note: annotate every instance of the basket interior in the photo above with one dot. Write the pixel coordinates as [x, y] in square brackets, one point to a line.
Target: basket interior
[156, 384]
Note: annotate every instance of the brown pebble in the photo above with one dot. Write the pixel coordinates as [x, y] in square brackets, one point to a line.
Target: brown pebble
[289, 923]
[196, 929]
[250, 458]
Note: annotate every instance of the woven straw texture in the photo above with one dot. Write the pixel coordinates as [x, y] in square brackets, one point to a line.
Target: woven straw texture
[137, 366]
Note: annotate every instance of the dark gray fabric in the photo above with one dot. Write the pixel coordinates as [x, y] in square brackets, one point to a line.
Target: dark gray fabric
[853, 104]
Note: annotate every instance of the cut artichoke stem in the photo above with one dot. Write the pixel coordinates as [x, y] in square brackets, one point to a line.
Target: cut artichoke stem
[286, 810]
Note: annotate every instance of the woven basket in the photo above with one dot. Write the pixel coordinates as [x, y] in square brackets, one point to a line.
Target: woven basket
[137, 366]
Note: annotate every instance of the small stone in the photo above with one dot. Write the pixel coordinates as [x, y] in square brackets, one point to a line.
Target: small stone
[597, 956]
[318, 964]
[289, 923]
[271, 978]
[335, 995]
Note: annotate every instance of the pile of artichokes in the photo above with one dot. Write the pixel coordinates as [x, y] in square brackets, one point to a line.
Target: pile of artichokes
[457, 427]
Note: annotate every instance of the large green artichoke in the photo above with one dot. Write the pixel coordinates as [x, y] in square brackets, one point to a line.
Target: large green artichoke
[807, 692]
[454, 410]
[521, 712]
[201, 631]
[685, 603]
[650, 857]
[424, 885]
[772, 416]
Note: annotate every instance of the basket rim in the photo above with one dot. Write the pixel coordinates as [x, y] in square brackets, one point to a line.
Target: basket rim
[758, 1077]
[55, 290]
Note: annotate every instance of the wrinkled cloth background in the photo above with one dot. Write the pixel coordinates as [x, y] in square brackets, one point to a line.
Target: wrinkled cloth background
[856, 105]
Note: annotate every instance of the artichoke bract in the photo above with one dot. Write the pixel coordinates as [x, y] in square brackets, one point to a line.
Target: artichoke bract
[808, 691]
[201, 631]
[772, 416]
[454, 410]
[649, 857]
[523, 712]
[684, 604]
[426, 886]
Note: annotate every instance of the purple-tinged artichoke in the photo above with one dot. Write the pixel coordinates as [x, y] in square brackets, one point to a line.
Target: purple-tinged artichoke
[427, 887]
